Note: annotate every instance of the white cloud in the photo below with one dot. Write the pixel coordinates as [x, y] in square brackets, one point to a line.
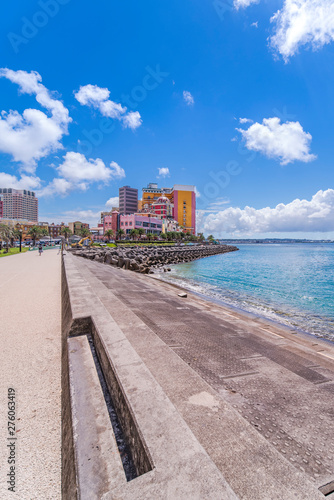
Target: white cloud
[316, 215]
[218, 203]
[113, 202]
[60, 187]
[286, 142]
[245, 120]
[132, 120]
[76, 172]
[87, 216]
[188, 98]
[242, 4]
[77, 168]
[197, 193]
[302, 22]
[98, 98]
[163, 172]
[255, 25]
[92, 95]
[25, 182]
[32, 135]
[117, 172]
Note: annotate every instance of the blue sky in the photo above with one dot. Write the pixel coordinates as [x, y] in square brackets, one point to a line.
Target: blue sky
[216, 92]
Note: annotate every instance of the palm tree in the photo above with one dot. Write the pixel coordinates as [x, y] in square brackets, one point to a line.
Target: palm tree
[120, 233]
[6, 234]
[134, 233]
[84, 232]
[109, 234]
[65, 231]
[141, 231]
[200, 236]
[211, 238]
[35, 233]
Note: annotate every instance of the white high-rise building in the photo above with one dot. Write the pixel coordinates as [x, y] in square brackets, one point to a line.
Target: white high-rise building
[19, 204]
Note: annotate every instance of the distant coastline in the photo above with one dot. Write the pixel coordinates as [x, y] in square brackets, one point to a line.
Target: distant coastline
[271, 241]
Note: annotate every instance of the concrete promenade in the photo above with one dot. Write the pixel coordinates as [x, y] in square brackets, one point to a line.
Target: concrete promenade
[30, 356]
[249, 402]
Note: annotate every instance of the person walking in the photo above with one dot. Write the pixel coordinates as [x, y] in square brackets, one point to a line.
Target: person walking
[40, 249]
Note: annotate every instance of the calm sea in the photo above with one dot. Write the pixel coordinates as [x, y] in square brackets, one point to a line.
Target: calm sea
[291, 284]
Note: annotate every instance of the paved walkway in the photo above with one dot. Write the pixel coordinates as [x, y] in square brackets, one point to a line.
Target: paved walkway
[278, 383]
[30, 361]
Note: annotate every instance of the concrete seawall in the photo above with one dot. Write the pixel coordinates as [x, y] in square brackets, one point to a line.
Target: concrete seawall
[204, 395]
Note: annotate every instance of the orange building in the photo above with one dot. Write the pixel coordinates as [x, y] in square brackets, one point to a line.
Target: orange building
[182, 198]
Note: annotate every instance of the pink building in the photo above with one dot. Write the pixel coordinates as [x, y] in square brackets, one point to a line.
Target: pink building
[111, 222]
[136, 221]
[163, 207]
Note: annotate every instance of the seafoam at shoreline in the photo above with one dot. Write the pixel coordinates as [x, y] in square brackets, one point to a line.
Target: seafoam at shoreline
[280, 319]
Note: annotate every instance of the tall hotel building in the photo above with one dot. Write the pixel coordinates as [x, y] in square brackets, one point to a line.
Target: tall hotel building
[128, 200]
[183, 199]
[19, 204]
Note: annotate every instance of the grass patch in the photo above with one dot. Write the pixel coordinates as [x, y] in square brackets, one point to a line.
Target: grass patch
[12, 251]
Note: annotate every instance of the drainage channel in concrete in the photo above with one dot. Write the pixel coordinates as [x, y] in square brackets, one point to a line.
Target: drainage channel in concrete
[328, 489]
[123, 447]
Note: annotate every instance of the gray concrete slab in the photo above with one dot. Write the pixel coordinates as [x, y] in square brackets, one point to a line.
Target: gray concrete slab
[239, 383]
[30, 361]
[181, 466]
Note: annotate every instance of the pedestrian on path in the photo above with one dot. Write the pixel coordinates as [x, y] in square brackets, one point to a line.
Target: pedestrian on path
[40, 249]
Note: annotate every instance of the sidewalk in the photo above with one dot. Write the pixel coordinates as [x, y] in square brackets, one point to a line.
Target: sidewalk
[30, 361]
[256, 397]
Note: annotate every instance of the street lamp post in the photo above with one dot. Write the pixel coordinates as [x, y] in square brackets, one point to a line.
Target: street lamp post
[19, 230]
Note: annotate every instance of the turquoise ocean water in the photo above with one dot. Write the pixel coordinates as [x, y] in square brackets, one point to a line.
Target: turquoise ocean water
[292, 284]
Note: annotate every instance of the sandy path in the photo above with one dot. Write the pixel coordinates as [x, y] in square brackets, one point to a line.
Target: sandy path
[30, 362]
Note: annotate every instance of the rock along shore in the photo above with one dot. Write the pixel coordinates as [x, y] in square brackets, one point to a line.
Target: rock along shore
[146, 259]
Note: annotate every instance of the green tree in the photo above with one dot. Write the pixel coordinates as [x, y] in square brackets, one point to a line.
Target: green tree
[141, 231]
[65, 231]
[164, 236]
[6, 234]
[120, 233]
[134, 233]
[35, 232]
[109, 234]
[200, 236]
[84, 232]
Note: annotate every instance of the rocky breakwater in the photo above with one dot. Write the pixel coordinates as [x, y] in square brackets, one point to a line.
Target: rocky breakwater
[146, 259]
